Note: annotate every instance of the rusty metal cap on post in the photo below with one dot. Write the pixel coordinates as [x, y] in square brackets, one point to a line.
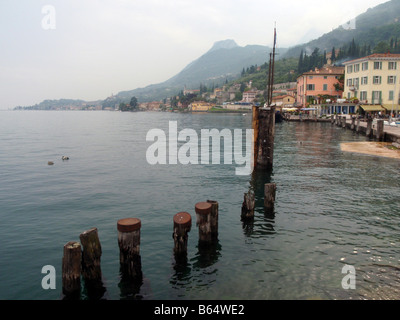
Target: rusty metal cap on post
[183, 219]
[203, 208]
[129, 224]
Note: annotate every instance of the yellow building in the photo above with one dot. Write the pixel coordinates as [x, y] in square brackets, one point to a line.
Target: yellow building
[201, 106]
[374, 80]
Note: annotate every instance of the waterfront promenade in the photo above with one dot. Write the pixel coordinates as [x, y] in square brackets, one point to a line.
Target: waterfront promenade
[391, 133]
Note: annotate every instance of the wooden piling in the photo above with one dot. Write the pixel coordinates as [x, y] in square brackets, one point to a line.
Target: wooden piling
[343, 121]
[129, 245]
[368, 132]
[379, 130]
[269, 195]
[182, 226]
[91, 269]
[332, 119]
[248, 206]
[265, 138]
[353, 123]
[71, 270]
[203, 215]
[214, 218]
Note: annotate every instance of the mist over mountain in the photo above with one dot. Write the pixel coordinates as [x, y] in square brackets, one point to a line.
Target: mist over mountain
[224, 61]
[376, 24]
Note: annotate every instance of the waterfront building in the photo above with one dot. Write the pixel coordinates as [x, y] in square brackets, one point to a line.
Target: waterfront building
[313, 85]
[374, 81]
[249, 96]
[284, 101]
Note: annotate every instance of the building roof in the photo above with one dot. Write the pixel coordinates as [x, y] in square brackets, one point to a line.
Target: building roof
[281, 97]
[325, 71]
[376, 56]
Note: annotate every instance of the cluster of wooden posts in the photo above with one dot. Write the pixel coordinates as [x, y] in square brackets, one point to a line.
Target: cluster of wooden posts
[378, 133]
[82, 259]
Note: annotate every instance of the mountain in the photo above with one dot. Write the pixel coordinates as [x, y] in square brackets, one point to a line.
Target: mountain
[225, 60]
[380, 23]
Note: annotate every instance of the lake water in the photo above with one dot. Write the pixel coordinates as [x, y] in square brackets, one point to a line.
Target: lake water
[332, 209]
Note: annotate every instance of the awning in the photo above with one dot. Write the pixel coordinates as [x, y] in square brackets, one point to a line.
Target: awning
[290, 109]
[308, 109]
[391, 107]
[370, 108]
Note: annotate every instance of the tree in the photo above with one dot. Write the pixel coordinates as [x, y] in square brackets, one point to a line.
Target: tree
[382, 47]
[133, 103]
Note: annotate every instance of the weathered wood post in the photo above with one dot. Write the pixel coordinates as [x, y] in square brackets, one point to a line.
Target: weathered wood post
[332, 119]
[358, 125]
[337, 119]
[269, 195]
[379, 130]
[353, 123]
[182, 226]
[129, 245]
[214, 218]
[368, 132]
[203, 215]
[248, 206]
[91, 269]
[264, 148]
[71, 270]
[344, 122]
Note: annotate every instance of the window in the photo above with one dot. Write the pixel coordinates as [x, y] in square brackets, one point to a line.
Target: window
[311, 87]
[363, 95]
[392, 65]
[391, 95]
[356, 67]
[349, 82]
[349, 69]
[391, 79]
[364, 66]
[356, 82]
[378, 65]
[325, 77]
[325, 87]
[376, 97]
[364, 80]
[377, 80]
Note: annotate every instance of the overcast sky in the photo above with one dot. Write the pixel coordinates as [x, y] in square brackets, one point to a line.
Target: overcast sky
[95, 48]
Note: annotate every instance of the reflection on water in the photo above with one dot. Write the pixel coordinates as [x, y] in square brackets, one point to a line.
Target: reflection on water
[332, 209]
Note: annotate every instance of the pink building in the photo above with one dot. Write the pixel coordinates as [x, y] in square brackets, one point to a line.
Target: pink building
[318, 82]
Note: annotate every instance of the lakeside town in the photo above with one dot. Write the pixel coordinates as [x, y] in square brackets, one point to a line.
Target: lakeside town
[366, 85]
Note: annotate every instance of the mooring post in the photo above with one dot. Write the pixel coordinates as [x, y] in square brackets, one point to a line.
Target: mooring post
[182, 226]
[91, 269]
[379, 130]
[269, 195]
[248, 206]
[332, 119]
[344, 122]
[337, 119]
[353, 123]
[71, 270]
[214, 218]
[358, 125]
[368, 132]
[129, 246]
[203, 215]
[266, 138]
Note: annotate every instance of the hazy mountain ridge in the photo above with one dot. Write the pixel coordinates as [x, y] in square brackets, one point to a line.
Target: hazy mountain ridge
[225, 59]
[376, 24]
